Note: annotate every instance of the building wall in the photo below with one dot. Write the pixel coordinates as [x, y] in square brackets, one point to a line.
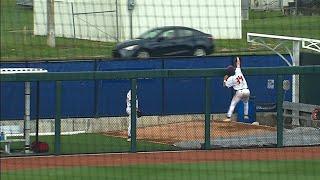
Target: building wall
[82, 19]
[220, 18]
[98, 19]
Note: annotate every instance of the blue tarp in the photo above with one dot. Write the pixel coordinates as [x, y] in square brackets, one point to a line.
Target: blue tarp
[156, 96]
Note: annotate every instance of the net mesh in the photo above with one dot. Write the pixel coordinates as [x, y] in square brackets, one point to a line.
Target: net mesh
[174, 138]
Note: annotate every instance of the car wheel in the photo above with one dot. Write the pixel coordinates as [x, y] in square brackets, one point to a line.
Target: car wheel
[143, 54]
[199, 51]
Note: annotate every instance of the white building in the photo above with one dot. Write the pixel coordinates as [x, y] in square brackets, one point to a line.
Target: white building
[108, 20]
[270, 4]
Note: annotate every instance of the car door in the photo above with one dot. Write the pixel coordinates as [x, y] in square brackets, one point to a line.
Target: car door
[166, 43]
[185, 41]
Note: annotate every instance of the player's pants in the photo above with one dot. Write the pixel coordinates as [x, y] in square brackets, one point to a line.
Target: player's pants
[128, 110]
[243, 95]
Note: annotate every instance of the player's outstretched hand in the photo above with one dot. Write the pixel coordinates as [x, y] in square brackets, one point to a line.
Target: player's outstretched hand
[238, 62]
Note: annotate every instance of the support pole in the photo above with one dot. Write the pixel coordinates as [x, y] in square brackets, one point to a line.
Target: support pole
[50, 24]
[133, 115]
[295, 80]
[38, 111]
[27, 128]
[73, 23]
[131, 26]
[117, 21]
[57, 124]
[207, 112]
[280, 93]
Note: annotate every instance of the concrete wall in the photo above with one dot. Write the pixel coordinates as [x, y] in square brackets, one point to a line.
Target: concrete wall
[96, 125]
[107, 124]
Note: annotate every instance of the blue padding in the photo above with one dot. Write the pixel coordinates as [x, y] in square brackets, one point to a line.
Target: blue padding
[129, 65]
[13, 65]
[258, 85]
[77, 99]
[12, 100]
[112, 93]
[156, 96]
[183, 95]
[64, 66]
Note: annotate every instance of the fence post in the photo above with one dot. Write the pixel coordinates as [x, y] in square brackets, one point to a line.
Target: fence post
[133, 115]
[27, 128]
[280, 97]
[57, 124]
[207, 112]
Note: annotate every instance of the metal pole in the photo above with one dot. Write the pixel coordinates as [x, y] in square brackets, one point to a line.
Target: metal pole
[207, 112]
[117, 21]
[130, 19]
[57, 124]
[27, 117]
[280, 93]
[50, 24]
[38, 111]
[73, 24]
[295, 80]
[296, 5]
[133, 115]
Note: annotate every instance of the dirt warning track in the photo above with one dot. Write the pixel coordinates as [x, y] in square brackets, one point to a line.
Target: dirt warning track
[293, 153]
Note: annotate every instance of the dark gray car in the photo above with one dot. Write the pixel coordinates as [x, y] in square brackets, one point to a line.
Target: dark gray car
[166, 41]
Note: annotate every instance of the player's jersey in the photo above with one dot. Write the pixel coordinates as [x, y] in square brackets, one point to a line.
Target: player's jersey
[237, 81]
[129, 100]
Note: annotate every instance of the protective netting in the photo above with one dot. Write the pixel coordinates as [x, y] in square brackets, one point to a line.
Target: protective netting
[73, 123]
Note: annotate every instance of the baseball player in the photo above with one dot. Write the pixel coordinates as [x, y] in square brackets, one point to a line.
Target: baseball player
[128, 110]
[235, 79]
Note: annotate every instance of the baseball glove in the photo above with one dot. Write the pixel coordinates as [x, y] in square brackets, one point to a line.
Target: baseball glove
[230, 70]
[139, 113]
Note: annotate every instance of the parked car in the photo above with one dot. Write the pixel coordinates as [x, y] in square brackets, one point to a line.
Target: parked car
[166, 41]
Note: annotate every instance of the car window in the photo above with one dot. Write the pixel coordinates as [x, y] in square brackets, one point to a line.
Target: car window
[168, 34]
[150, 34]
[185, 33]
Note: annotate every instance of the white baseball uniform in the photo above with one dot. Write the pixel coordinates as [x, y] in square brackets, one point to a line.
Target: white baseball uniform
[128, 110]
[239, 84]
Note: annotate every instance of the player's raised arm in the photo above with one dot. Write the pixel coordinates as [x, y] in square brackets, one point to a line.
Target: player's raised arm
[238, 62]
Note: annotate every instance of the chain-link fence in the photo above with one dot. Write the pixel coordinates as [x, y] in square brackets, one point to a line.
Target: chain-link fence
[97, 116]
[82, 109]
[90, 29]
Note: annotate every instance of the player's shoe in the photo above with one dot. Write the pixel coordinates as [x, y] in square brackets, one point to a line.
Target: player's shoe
[246, 117]
[227, 120]
[129, 138]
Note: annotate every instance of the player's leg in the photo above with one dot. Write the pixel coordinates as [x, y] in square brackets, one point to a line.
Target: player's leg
[236, 98]
[129, 123]
[245, 98]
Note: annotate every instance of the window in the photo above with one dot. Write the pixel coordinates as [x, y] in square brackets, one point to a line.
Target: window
[184, 33]
[168, 34]
[150, 34]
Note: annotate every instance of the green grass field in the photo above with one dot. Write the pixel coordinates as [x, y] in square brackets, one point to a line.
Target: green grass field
[93, 143]
[262, 170]
[19, 43]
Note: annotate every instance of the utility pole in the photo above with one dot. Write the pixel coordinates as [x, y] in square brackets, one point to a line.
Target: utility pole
[296, 5]
[50, 24]
[131, 4]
